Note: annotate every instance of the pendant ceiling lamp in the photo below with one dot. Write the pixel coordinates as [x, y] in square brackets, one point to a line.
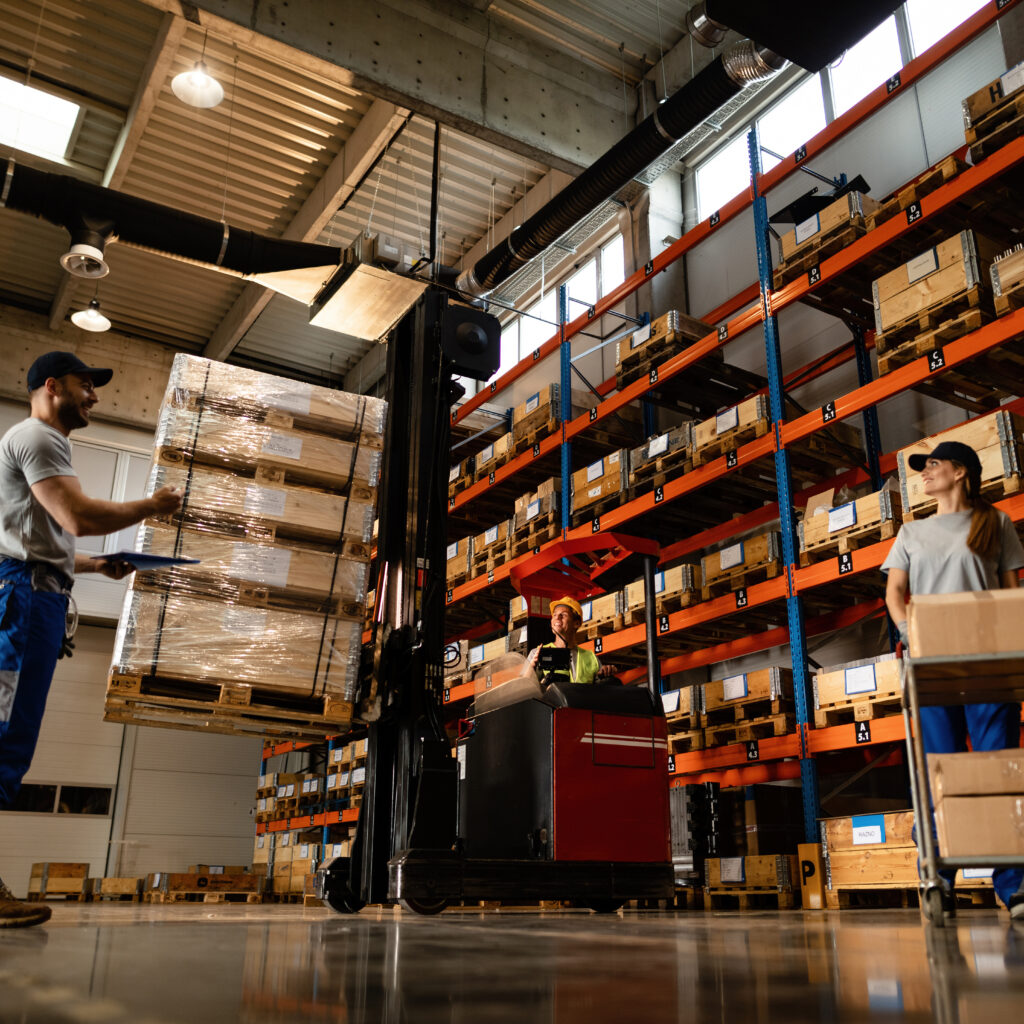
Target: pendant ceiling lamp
[90, 318]
[197, 87]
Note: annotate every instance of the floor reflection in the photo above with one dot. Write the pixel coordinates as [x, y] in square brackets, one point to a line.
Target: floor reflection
[254, 964]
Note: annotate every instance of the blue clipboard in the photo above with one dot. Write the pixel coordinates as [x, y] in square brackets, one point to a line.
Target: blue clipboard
[141, 562]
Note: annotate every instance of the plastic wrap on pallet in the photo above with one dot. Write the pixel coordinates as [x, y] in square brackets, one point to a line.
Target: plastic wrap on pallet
[277, 574]
[244, 445]
[240, 392]
[224, 501]
[176, 637]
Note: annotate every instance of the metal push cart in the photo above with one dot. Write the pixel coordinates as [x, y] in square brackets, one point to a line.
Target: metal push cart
[947, 680]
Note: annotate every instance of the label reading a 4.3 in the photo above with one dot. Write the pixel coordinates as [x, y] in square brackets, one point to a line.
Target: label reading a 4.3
[753, 753]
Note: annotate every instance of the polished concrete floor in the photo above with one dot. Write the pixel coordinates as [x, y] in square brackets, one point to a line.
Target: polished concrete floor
[194, 964]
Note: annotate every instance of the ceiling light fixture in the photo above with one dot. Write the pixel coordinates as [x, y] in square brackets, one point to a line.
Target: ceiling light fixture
[90, 318]
[85, 259]
[197, 87]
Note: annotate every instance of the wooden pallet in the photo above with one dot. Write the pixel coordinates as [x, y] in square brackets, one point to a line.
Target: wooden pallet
[531, 433]
[524, 541]
[166, 887]
[637, 364]
[993, 490]
[935, 177]
[741, 711]
[754, 729]
[684, 742]
[920, 345]
[598, 509]
[485, 563]
[933, 319]
[125, 890]
[591, 630]
[860, 536]
[662, 468]
[755, 898]
[51, 879]
[821, 250]
[995, 129]
[743, 576]
[730, 441]
[863, 708]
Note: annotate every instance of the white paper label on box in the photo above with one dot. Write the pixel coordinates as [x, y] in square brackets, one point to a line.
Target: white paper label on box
[453, 551]
[670, 701]
[281, 791]
[588, 610]
[453, 474]
[314, 785]
[734, 687]
[923, 265]
[345, 776]
[486, 454]
[289, 790]
[1012, 80]
[842, 517]
[532, 510]
[613, 459]
[262, 806]
[491, 535]
[808, 228]
[728, 557]
[265, 501]
[284, 839]
[594, 492]
[337, 754]
[860, 680]
[460, 756]
[978, 873]
[658, 446]
[659, 582]
[284, 445]
[522, 635]
[297, 399]
[305, 785]
[476, 654]
[639, 337]
[358, 776]
[732, 869]
[595, 471]
[248, 622]
[261, 842]
[867, 829]
[727, 420]
[304, 851]
[533, 402]
[261, 563]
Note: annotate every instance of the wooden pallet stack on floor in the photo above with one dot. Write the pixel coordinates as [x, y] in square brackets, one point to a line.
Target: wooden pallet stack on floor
[261, 636]
[117, 890]
[750, 883]
[203, 887]
[51, 879]
[748, 706]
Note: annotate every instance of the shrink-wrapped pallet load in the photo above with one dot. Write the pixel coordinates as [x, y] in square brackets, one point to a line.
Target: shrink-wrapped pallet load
[263, 632]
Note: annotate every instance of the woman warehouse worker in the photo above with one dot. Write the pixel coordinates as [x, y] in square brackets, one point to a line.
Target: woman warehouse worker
[966, 545]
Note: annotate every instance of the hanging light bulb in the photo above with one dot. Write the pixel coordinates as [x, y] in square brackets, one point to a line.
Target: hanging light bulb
[91, 319]
[197, 87]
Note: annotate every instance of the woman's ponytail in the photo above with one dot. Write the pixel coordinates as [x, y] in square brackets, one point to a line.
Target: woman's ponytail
[984, 538]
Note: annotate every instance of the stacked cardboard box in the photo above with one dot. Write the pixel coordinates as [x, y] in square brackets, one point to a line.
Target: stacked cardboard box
[279, 482]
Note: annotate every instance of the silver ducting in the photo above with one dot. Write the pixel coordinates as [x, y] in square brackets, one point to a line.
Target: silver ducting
[745, 62]
[703, 29]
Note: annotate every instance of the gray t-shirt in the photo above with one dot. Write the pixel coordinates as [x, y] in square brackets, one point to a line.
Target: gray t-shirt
[29, 452]
[934, 552]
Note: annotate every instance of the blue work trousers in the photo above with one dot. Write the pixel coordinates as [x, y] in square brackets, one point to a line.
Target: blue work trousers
[31, 634]
[991, 727]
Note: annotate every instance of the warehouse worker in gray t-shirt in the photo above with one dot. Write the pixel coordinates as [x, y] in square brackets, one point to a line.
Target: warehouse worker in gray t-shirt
[42, 510]
[966, 545]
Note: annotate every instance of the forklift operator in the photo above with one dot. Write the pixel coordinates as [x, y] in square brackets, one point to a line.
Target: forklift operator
[566, 619]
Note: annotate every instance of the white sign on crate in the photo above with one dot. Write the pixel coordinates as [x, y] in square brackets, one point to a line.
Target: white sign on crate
[733, 869]
[595, 471]
[808, 228]
[284, 445]
[734, 687]
[727, 420]
[670, 701]
[265, 501]
[923, 265]
[453, 550]
[639, 337]
[730, 556]
[491, 535]
[261, 563]
[533, 402]
[842, 517]
[868, 829]
[532, 510]
[658, 446]
[860, 680]
[453, 474]
[486, 454]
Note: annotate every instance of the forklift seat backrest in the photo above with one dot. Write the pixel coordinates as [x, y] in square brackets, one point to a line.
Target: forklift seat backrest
[626, 700]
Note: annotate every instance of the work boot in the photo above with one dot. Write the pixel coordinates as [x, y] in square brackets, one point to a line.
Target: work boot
[15, 913]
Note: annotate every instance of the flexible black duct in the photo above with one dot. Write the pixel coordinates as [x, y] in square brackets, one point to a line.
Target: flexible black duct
[63, 200]
[681, 113]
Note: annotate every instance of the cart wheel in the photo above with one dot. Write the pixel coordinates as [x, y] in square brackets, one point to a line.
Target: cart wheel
[605, 906]
[425, 907]
[343, 901]
[931, 906]
[337, 892]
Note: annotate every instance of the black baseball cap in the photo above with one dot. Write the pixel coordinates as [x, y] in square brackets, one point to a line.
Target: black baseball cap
[953, 451]
[56, 364]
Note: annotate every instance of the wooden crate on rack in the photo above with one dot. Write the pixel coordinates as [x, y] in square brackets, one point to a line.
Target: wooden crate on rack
[682, 713]
[770, 880]
[913, 192]
[481, 654]
[760, 696]
[459, 558]
[725, 432]
[601, 615]
[741, 564]
[840, 530]
[868, 852]
[541, 414]
[461, 476]
[537, 520]
[520, 609]
[596, 486]
[857, 691]
[1007, 273]
[657, 341]
[675, 588]
[994, 115]
[490, 549]
[997, 440]
[661, 458]
[493, 456]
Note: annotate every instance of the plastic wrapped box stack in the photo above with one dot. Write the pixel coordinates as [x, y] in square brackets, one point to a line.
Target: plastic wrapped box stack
[263, 635]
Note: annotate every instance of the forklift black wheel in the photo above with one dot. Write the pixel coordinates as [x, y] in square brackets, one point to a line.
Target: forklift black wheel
[343, 901]
[425, 907]
[605, 906]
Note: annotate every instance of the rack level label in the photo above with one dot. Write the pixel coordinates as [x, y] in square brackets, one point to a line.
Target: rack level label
[598, 645]
[845, 563]
[741, 598]
[659, 495]
[663, 626]
[828, 412]
[863, 732]
[936, 359]
[814, 274]
[893, 84]
[753, 751]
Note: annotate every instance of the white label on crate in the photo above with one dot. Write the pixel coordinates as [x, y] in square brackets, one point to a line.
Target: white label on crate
[314, 785]
[727, 420]
[977, 873]
[285, 446]
[261, 841]
[486, 454]
[860, 680]
[248, 622]
[262, 805]
[728, 557]
[639, 337]
[345, 776]
[867, 829]
[289, 790]
[261, 563]
[533, 402]
[594, 492]
[281, 791]
[491, 535]
[476, 655]
[304, 851]
[265, 501]
[613, 459]
[532, 510]
[595, 471]
[1012, 80]
[305, 785]
[297, 399]
[842, 517]
[923, 265]
[732, 869]
[358, 776]
[659, 582]
[734, 687]
[670, 701]
[453, 551]
[522, 635]
[658, 446]
[284, 839]
[460, 755]
[453, 474]
[588, 610]
[886, 989]
[337, 754]
[808, 228]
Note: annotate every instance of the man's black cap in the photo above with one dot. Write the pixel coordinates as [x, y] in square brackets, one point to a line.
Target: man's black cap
[953, 451]
[56, 364]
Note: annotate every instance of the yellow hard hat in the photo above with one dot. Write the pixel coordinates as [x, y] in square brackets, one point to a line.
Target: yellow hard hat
[569, 602]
